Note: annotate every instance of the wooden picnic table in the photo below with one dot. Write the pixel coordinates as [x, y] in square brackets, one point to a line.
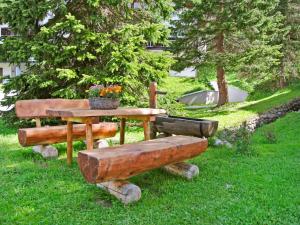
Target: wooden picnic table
[87, 116]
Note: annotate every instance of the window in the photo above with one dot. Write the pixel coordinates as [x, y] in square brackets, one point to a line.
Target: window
[6, 32]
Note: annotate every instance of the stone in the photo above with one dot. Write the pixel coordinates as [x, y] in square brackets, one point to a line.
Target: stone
[47, 151]
[219, 142]
[101, 144]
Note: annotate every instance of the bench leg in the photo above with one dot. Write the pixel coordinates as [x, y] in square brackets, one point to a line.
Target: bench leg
[183, 169]
[123, 190]
[89, 136]
[122, 131]
[146, 125]
[69, 142]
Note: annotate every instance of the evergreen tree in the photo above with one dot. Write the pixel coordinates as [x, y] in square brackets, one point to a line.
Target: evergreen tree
[69, 45]
[290, 40]
[229, 34]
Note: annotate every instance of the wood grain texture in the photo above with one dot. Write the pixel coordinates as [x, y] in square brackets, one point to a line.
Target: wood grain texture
[185, 126]
[27, 109]
[122, 162]
[57, 134]
[114, 112]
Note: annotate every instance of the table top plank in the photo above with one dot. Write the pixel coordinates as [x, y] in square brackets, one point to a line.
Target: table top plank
[96, 113]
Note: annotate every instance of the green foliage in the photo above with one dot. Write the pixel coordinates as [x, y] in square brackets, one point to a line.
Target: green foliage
[243, 142]
[289, 40]
[249, 29]
[170, 104]
[270, 134]
[84, 43]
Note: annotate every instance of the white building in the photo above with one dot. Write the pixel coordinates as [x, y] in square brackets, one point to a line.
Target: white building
[6, 69]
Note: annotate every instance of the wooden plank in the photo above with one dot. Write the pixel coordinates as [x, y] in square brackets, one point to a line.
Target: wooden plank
[69, 142]
[26, 109]
[122, 162]
[58, 134]
[122, 131]
[94, 113]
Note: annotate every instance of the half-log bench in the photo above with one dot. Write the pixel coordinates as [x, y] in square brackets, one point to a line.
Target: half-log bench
[41, 136]
[112, 166]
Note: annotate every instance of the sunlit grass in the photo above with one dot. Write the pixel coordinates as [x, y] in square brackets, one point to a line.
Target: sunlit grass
[231, 188]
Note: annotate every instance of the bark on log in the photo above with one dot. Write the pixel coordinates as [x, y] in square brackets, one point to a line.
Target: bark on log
[122, 162]
[58, 134]
[185, 126]
[122, 190]
[183, 169]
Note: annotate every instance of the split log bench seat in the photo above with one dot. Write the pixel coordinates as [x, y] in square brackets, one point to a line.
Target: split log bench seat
[36, 109]
[58, 134]
[113, 165]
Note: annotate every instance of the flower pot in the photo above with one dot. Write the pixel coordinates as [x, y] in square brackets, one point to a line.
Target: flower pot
[104, 103]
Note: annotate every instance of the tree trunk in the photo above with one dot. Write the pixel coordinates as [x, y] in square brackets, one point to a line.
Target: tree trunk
[222, 84]
[282, 80]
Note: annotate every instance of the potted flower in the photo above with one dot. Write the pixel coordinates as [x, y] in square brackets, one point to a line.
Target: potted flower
[104, 97]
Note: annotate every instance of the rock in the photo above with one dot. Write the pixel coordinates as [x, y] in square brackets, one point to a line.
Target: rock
[219, 142]
[47, 151]
[101, 144]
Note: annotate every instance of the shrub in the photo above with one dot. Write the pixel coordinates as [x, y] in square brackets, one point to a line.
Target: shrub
[243, 142]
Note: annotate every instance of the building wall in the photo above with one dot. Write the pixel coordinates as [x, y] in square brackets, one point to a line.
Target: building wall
[7, 69]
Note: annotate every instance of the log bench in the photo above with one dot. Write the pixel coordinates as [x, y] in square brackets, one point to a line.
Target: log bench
[111, 167]
[44, 136]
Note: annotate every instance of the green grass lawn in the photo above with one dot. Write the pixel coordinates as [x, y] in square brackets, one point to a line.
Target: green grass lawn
[234, 113]
[231, 188]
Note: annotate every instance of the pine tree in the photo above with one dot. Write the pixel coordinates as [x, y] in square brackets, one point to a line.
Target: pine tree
[70, 45]
[227, 34]
[290, 40]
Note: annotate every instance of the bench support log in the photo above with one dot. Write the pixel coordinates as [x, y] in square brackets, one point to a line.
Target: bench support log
[183, 169]
[58, 134]
[122, 190]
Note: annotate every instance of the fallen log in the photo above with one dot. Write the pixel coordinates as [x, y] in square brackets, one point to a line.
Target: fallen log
[185, 126]
[57, 134]
[122, 162]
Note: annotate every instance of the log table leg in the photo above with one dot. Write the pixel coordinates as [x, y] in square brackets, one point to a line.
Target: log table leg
[122, 131]
[89, 135]
[146, 125]
[122, 190]
[69, 142]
